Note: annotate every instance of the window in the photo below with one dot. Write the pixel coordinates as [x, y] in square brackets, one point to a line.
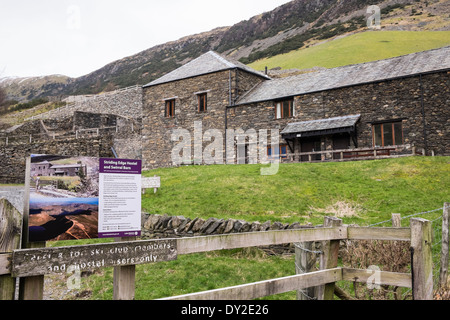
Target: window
[170, 108]
[388, 134]
[202, 102]
[282, 152]
[284, 109]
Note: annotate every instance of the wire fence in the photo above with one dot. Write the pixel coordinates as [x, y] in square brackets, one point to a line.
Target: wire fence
[435, 216]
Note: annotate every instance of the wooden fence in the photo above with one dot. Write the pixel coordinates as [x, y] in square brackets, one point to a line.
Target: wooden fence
[354, 154]
[35, 261]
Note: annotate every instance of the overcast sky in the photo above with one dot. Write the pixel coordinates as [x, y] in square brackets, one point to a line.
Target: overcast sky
[76, 37]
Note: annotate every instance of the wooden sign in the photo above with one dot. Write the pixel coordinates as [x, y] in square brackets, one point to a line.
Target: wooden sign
[153, 182]
[33, 262]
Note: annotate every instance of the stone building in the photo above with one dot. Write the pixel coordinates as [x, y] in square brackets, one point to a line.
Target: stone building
[201, 90]
[47, 169]
[398, 102]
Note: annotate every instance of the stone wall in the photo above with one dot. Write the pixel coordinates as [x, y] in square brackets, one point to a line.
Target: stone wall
[420, 102]
[125, 102]
[164, 226]
[88, 120]
[12, 169]
[220, 87]
[387, 100]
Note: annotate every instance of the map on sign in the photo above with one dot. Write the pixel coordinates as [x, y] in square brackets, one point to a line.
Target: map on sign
[73, 198]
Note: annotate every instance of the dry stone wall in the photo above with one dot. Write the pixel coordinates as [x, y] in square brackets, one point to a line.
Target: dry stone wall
[125, 102]
[164, 227]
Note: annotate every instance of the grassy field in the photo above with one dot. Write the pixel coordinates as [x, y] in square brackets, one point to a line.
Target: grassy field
[362, 192]
[357, 48]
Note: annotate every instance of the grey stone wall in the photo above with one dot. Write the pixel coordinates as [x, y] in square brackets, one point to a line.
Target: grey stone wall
[12, 169]
[388, 100]
[220, 87]
[125, 102]
[164, 226]
[88, 120]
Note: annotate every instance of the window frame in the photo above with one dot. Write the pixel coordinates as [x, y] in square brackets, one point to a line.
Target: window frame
[279, 106]
[204, 107]
[280, 154]
[393, 133]
[169, 106]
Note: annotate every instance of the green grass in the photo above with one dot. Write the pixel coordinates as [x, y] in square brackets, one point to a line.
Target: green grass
[196, 273]
[357, 48]
[299, 192]
[303, 192]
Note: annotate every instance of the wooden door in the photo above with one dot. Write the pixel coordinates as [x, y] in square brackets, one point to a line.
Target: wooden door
[340, 142]
[310, 145]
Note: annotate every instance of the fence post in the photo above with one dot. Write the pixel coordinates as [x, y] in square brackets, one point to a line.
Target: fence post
[329, 259]
[31, 288]
[124, 279]
[443, 273]
[305, 260]
[10, 223]
[422, 260]
[396, 220]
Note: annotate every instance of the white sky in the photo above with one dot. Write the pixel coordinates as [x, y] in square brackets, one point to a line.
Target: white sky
[76, 37]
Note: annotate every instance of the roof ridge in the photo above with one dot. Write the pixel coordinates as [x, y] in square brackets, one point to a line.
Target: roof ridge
[222, 59]
[206, 63]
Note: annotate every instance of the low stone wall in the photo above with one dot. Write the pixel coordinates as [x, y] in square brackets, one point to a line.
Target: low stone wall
[156, 226]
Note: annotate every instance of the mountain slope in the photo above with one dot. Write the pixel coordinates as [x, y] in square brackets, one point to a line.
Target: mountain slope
[291, 26]
[357, 48]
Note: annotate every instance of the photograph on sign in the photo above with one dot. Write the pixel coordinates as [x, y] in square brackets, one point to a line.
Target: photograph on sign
[63, 198]
[71, 197]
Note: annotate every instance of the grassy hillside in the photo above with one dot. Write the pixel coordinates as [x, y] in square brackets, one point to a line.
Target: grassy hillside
[299, 192]
[363, 192]
[357, 48]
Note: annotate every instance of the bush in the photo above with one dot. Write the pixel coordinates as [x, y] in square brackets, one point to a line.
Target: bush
[391, 256]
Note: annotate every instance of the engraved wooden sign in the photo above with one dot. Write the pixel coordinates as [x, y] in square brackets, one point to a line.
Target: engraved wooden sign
[33, 262]
[154, 182]
[148, 183]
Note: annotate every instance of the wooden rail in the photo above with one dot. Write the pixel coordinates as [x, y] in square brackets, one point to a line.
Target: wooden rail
[346, 154]
[41, 261]
[32, 264]
[266, 288]
[301, 281]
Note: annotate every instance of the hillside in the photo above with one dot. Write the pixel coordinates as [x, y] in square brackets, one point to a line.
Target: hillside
[294, 25]
[357, 48]
[363, 192]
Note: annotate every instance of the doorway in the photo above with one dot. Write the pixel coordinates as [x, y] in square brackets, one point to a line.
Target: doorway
[341, 141]
[311, 145]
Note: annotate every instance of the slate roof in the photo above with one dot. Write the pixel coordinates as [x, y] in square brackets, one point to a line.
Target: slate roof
[206, 63]
[322, 124]
[416, 63]
[65, 166]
